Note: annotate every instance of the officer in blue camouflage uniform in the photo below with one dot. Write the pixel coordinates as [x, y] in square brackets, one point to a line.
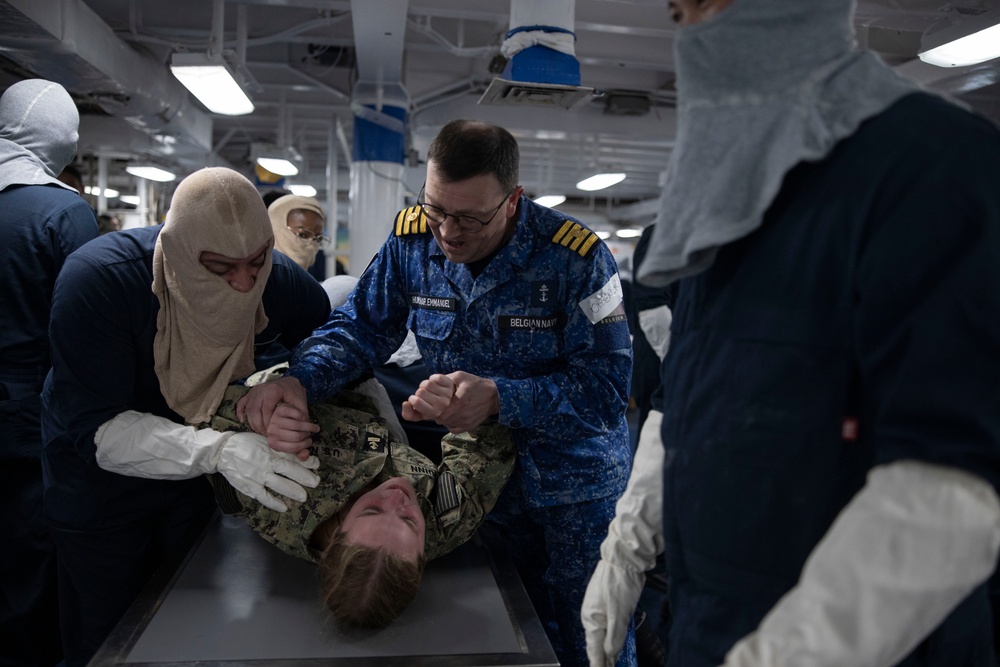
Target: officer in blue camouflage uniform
[356, 449]
[518, 312]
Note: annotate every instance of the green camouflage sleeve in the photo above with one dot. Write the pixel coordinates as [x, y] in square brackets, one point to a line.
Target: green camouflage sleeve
[474, 469]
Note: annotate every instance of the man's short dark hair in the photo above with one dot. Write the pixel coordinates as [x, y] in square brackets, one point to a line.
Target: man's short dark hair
[467, 148]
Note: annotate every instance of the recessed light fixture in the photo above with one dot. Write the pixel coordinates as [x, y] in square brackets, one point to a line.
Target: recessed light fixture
[151, 172]
[968, 41]
[280, 160]
[550, 200]
[109, 193]
[302, 190]
[601, 181]
[212, 80]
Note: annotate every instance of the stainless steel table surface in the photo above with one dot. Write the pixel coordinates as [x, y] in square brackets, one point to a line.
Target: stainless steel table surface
[238, 599]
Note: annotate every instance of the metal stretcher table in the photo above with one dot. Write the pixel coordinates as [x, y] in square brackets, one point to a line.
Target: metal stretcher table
[237, 599]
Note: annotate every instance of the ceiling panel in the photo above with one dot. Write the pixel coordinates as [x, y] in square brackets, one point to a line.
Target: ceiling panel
[303, 55]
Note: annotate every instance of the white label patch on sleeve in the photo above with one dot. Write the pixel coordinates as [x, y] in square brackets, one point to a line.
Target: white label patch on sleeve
[601, 303]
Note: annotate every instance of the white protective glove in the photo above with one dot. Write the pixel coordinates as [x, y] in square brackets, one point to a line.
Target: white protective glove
[139, 444]
[655, 324]
[635, 539]
[897, 560]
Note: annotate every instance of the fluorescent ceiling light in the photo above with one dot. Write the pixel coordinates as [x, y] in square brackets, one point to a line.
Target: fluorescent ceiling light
[150, 172]
[628, 233]
[972, 40]
[600, 181]
[302, 190]
[130, 199]
[211, 80]
[603, 234]
[550, 200]
[279, 166]
[280, 160]
[108, 192]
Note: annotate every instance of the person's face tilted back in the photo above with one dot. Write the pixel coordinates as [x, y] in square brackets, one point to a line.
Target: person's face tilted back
[387, 517]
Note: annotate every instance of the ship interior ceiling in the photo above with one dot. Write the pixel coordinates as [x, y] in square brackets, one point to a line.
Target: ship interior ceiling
[305, 59]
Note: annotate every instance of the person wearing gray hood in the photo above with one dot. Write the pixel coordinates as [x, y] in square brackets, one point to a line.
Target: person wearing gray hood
[42, 221]
[831, 403]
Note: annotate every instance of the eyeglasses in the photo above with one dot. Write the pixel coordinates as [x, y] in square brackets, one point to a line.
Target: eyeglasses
[467, 223]
[306, 237]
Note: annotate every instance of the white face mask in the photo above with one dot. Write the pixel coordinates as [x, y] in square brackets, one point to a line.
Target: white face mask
[762, 86]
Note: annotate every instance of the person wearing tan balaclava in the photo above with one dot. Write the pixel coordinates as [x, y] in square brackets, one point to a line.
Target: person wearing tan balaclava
[149, 326]
[298, 228]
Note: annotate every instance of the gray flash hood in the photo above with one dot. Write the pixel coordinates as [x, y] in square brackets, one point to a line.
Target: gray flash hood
[762, 86]
[38, 133]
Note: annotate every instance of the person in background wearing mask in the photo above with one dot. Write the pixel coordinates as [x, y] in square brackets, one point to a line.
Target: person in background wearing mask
[149, 327]
[832, 389]
[298, 228]
[42, 221]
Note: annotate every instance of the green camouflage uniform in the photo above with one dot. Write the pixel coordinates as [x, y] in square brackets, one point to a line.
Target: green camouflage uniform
[355, 449]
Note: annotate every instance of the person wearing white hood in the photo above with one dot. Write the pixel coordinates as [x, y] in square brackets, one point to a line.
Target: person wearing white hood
[149, 326]
[831, 416]
[42, 221]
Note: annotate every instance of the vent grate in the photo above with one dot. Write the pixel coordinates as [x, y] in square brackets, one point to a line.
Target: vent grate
[524, 93]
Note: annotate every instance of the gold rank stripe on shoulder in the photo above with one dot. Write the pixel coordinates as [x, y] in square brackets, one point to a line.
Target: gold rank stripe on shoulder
[575, 237]
[411, 221]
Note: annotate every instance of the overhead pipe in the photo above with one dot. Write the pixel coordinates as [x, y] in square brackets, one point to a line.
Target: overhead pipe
[89, 59]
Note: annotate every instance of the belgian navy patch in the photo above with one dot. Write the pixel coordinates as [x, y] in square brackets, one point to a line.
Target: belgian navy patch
[532, 322]
[411, 221]
[448, 303]
[576, 237]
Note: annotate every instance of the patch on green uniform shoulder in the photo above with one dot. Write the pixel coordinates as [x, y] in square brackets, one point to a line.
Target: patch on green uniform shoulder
[411, 221]
[576, 237]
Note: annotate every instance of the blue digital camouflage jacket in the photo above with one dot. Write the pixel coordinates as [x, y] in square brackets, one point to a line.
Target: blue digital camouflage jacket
[544, 320]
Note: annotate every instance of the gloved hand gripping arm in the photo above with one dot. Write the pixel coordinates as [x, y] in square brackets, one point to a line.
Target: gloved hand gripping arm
[144, 445]
[635, 539]
[903, 553]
